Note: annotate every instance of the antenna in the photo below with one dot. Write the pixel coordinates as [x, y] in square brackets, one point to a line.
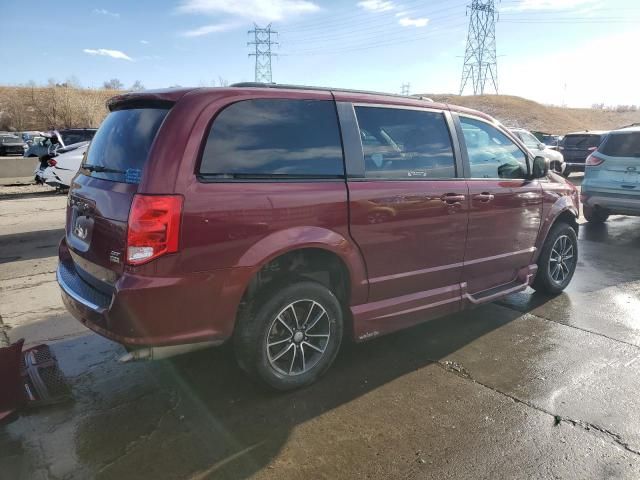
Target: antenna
[480, 62]
[262, 42]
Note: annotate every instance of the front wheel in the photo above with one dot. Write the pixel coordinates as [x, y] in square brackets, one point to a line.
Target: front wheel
[558, 260]
[290, 335]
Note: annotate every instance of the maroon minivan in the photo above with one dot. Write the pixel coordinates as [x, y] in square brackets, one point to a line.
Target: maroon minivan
[283, 218]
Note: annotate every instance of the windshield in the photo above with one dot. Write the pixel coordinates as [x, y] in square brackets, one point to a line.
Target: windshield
[122, 144]
[581, 141]
[625, 144]
[71, 137]
[529, 139]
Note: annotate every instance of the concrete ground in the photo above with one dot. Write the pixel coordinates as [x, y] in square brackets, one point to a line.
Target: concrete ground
[528, 387]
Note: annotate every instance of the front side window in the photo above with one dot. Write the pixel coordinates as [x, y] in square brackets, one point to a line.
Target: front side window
[491, 153]
[405, 144]
[274, 138]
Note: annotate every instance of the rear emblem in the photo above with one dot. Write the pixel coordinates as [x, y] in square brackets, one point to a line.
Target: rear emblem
[114, 257]
[80, 232]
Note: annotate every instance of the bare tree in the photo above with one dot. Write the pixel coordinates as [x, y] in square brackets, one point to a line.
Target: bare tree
[113, 84]
[137, 86]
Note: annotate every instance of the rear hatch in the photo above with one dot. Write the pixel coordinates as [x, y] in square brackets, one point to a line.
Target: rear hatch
[577, 147]
[101, 195]
[620, 167]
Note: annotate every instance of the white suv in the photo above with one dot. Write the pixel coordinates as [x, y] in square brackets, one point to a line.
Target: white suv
[539, 149]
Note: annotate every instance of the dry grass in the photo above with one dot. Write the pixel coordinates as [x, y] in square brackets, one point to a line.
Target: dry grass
[27, 108]
[520, 112]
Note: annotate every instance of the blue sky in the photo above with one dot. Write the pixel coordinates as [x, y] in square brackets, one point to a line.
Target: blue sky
[574, 52]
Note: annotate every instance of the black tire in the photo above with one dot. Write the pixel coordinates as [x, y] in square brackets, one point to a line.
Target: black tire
[595, 215]
[548, 279]
[258, 322]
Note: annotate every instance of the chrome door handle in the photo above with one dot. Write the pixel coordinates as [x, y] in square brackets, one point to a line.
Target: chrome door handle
[484, 197]
[452, 198]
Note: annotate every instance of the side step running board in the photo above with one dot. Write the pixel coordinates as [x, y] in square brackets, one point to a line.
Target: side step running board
[497, 292]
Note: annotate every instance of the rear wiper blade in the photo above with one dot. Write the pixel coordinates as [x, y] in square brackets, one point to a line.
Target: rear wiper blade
[100, 168]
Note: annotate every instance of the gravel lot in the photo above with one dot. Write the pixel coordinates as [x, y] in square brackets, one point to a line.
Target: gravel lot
[529, 387]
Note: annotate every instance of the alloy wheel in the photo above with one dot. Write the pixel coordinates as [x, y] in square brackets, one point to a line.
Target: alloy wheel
[562, 259]
[298, 337]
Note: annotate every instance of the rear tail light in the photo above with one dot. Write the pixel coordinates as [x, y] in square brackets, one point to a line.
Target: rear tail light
[51, 162]
[154, 227]
[592, 160]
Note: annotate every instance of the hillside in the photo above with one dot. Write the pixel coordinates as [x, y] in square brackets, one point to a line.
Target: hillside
[520, 112]
[25, 108]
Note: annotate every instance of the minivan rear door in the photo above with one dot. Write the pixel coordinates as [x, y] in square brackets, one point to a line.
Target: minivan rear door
[101, 194]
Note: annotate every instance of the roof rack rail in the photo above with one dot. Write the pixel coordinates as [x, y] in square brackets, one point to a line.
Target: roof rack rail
[324, 89]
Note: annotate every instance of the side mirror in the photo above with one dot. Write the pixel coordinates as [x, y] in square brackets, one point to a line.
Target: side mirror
[540, 167]
[541, 146]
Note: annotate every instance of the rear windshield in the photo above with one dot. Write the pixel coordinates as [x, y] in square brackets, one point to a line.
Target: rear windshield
[581, 141]
[121, 146]
[622, 145]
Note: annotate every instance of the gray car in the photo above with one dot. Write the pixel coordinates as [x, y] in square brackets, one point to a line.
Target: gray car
[539, 149]
[11, 145]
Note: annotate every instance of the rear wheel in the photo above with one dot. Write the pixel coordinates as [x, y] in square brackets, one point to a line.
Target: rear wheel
[595, 215]
[290, 335]
[558, 260]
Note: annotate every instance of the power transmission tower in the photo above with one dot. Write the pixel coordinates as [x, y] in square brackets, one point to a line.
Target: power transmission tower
[480, 62]
[405, 89]
[262, 42]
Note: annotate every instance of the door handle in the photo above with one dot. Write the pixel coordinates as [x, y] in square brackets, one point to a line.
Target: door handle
[452, 198]
[484, 197]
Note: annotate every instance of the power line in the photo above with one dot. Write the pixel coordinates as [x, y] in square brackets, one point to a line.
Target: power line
[480, 63]
[262, 42]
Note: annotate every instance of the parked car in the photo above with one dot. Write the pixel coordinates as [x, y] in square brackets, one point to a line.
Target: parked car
[612, 177]
[269, 224]
[576, 147]
[536, 147]
[43, 172]
[55, 139]
[11, 145]
[551, 141]
[64, 166]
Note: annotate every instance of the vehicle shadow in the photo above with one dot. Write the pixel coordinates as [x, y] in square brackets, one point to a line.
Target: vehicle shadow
[227, 426]
[29, 245]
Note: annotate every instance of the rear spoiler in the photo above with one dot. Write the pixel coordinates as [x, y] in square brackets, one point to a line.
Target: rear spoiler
[127, 101]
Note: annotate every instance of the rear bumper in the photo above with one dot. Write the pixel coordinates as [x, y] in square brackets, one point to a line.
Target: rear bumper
[154, 311]
[614, 202]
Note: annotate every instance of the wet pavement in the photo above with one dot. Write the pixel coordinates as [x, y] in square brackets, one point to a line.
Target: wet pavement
[527, 387]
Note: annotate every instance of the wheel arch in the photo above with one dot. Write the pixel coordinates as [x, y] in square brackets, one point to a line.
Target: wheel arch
[562, 211]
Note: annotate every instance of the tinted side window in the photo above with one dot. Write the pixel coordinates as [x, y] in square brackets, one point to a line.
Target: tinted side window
[405, 144]
[622, 145]
[583, 142]
[254, 138]
[491, 153]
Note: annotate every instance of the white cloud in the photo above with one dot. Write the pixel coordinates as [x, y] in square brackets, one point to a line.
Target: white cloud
[550, 4]
[377, 5]
[102, 11]
[413, 22]
[209, 29]
[264, 10]
[144, 42]
[108, 53]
